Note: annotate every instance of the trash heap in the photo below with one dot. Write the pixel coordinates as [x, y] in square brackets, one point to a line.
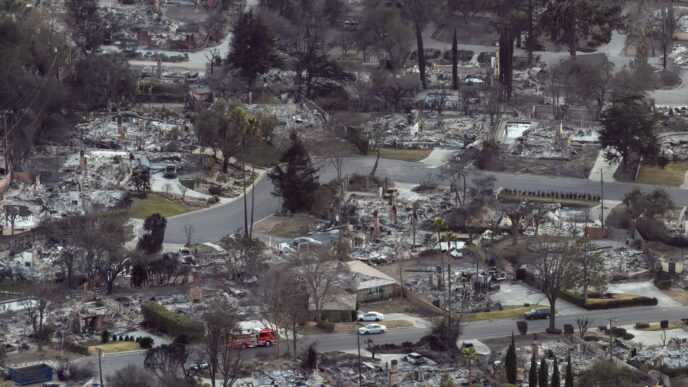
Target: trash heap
[427, 130]
[673, 356]
[308, 123]
[625, 260]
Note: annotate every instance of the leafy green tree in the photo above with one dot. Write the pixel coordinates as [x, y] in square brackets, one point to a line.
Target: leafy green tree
[86, 24]
[628, 128]
[295, 179]
[252, 49]
[567, 21]
[510, 362]
[533, 373]
[153, 234]
[228, 129]
[543, 374]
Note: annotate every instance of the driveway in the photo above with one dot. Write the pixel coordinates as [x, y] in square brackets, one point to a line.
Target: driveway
[646, 289]
[519, 294]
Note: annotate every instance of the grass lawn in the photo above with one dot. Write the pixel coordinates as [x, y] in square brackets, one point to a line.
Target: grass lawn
[405, 154]
[671, 175]
[115, 346]
[570, 202]
[507, 312]
[677, 294]
[395, 305]
[142, 208]
[291, 228]
[655, 326]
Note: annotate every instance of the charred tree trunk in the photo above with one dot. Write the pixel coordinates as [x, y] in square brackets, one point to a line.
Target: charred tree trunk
[455, 63]
[421, 55]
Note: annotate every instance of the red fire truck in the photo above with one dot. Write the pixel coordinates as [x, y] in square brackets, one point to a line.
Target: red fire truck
[255, 337]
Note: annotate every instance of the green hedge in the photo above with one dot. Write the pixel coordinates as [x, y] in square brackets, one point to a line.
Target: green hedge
[611, 304]
[77, 348]
[174, 324]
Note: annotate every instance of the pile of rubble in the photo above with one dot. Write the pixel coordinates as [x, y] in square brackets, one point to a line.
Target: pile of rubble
[308, 123]
[428, 130]
[673, 356]
[625, 260]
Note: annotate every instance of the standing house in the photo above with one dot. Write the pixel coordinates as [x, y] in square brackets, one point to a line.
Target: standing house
[372, 284]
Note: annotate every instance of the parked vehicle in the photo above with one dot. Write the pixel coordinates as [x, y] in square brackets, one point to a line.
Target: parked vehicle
[415, 358]
[535, 314]
[170, 171]
[255, 338]
[371, 329]
[371, 316]
[302, 240]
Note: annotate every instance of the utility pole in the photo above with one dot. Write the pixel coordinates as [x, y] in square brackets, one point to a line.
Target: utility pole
[611, 338]
[602, 197]
[360, 377]
[99, 352]
[4, 153]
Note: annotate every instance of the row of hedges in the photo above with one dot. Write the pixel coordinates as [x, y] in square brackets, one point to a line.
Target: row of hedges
[77, 348]
[609, 304]
[160, 318]
[552, 194]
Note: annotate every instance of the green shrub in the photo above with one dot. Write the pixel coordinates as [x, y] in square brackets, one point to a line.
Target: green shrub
[214, 190]
[642, 325]
[326, 325]
[213, 200]
[359, 139]
[104, 336]
[146, 342]
[77, 348]
[160, 318]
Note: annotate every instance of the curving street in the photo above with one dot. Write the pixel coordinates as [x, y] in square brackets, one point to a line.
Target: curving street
[215, 222]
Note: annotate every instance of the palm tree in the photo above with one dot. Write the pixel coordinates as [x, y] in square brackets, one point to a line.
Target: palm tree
[471, 356]
[438, 223]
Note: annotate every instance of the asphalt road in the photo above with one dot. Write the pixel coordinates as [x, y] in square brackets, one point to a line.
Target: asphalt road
[214, 223]
[473, 330]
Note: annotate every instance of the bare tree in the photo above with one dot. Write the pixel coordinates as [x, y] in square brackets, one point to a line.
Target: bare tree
[515, 213]
[182, 190]
[555, 271]
[40, 298]
[131, 376]
[583, 325]
[188, 232]
[220, 331]
[336, 150]
[286, 299]
[591, 270]
[13, 212]
[166, 361]
[321, 274]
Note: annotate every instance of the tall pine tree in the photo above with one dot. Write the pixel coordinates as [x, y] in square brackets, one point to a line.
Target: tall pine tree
[543, 375]
[533, 374]
[556, 378]
[510, 362]
[252, 50]
[295, 179]
[569, 373]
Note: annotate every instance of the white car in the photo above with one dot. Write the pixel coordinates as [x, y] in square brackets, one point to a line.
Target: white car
[371, 316]
[302, 240]
[415, 358]
[372, 328]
